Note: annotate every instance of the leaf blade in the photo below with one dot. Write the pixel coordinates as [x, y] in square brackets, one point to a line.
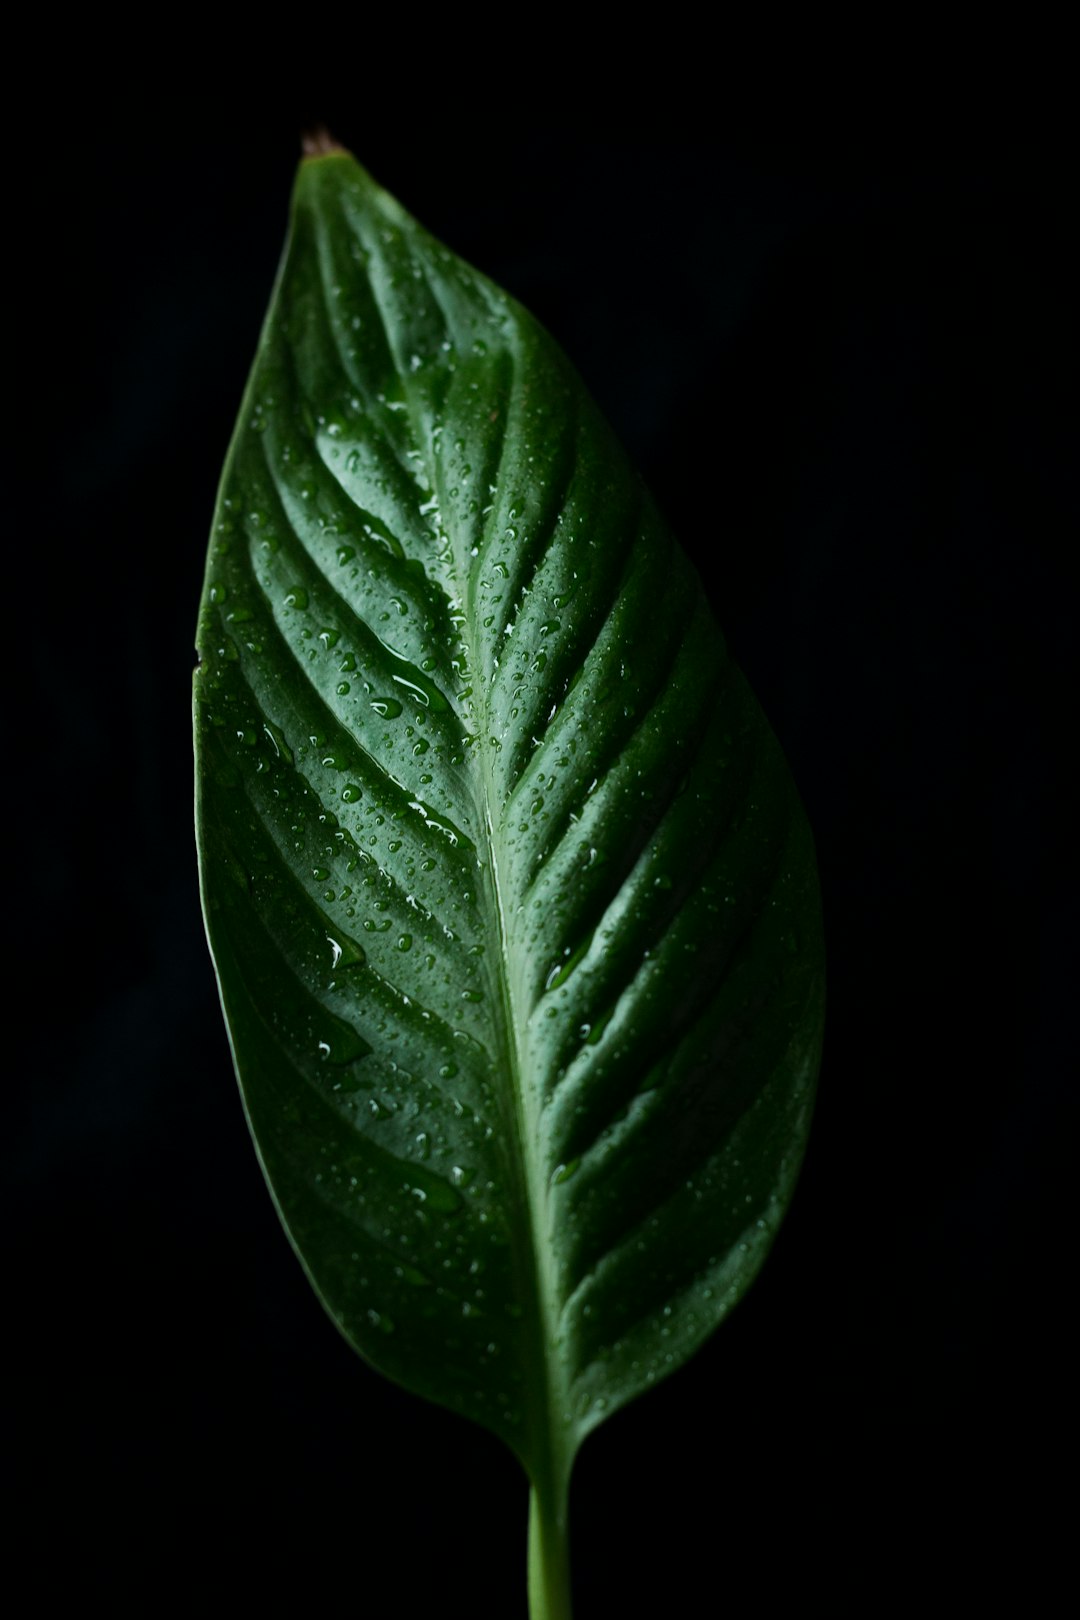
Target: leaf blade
[501, 864]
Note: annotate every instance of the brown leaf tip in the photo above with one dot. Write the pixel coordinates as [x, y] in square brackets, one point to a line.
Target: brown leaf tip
[318, 142]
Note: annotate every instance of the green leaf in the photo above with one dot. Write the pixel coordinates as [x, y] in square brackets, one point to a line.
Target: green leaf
[512, 902]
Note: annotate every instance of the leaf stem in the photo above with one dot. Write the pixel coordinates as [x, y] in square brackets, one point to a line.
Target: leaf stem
[549, 1558]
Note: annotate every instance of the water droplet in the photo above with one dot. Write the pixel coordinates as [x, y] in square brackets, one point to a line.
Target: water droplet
[561, 971]
[389, 708]
[342, 1045]
[277, 737]
[594, 1037]
[563, 1172]
[346, 953]
[297, 597]
[442, 1198]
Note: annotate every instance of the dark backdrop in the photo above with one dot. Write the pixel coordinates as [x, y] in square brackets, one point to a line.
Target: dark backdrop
[848, 373]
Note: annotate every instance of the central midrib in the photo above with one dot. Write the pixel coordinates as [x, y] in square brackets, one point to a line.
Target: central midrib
[532, 1265]
[547, 1396]
[547, 1460]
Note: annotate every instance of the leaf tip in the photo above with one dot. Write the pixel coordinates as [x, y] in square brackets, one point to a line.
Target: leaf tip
[318, 142]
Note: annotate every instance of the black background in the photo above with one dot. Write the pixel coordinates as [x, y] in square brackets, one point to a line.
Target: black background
[848, 373]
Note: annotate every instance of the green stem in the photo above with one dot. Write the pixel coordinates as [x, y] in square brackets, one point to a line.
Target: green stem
[549, 1559]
